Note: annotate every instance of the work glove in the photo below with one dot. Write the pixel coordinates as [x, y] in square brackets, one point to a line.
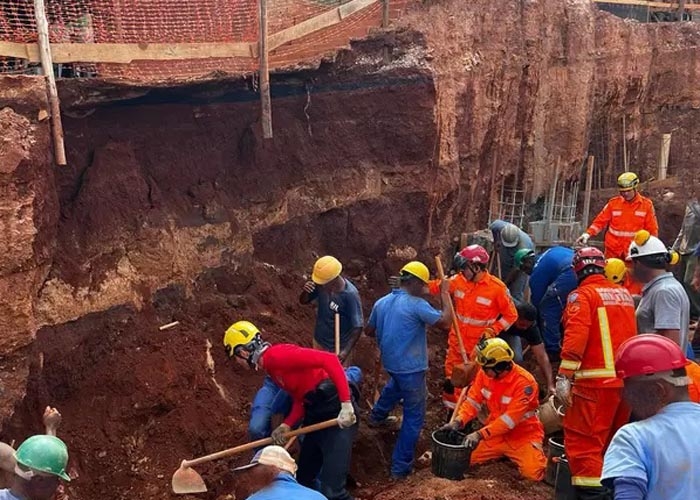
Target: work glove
[471, 440]
[346, 417]
[334, 307]
[488, 333]
[562, 390]
[455, 425]
[583, 239]
[278, 435]
[52, 419]
[309, 287]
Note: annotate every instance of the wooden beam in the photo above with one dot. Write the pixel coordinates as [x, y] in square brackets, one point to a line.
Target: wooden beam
[42, 26]
[670, 6]
[663, 156]
[265, 100]
[589, 187]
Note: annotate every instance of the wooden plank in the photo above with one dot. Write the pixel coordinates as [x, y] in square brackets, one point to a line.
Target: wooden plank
[670, 6]
[265, 100]
[317, 23]
[42, 26]
[589, 187]
[124, 53]
[663, 156]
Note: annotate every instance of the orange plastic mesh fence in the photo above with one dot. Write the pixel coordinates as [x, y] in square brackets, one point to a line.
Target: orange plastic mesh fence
[145, 22]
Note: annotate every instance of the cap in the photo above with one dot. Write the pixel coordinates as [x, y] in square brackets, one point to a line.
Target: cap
[272, 455]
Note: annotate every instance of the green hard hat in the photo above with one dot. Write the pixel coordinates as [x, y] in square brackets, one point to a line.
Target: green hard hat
[44, 453]
[521, 255]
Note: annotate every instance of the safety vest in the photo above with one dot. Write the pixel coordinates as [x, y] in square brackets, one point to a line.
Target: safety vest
[623, 219]
[599, 316]
[511, 401]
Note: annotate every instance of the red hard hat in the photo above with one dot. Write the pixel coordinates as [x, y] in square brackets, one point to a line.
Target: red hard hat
[587, 256]
[475, 253]
[646, 354]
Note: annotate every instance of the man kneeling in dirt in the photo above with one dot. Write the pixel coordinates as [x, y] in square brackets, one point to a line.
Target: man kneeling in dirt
[512, 429]
[320, 390]
[41, 464]
[271, 476]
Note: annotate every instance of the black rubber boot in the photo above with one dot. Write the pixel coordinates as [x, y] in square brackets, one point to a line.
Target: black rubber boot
[598, 493]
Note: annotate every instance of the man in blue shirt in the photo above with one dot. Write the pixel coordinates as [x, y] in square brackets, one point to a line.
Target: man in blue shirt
[399, 322]
[273, 477]
[656, 457]
[508, 239]
[551, 281]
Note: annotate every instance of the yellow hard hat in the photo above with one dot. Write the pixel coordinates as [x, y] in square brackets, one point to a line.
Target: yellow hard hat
[615, 270]
[326, 269]
[417, 269]
[490, 352]
[239, 333]
[627, 181]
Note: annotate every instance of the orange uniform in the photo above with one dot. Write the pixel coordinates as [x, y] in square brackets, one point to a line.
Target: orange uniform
[478, 305]
[623, 219]
[693, 371]
[512, 429]
[599, 316]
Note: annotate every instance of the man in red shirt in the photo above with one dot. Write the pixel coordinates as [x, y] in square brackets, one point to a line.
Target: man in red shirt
[319, 389]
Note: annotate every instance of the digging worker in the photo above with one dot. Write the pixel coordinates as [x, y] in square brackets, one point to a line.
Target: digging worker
[657, 457]
[319, 390]
[41, 464]
[333, 295]
[623, 216]
[525, 327]
[481, 302]
[399, 320]
[599, 317]
[508, 239]
[551, 281]
[512, 429]
[664, 308]
[271, 475]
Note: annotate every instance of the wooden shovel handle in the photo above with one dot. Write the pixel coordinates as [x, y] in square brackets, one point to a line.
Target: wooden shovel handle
[455, 323]
[460, 400]
[256, 444]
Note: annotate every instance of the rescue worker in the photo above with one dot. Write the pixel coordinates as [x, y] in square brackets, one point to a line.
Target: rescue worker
[664, 307]
[399, 322]
[319, 390]
[333, 294]
[623, 216]
[693, 371]
[599, 317]
[271, 475]
[525, 327]
[512, 429]
[508, 239]
[41, 464]
[657, 457]
[481, 302]
[551, 281]
[616, 271]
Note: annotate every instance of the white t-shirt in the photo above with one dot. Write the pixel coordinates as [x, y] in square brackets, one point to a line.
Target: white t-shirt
[7, 495]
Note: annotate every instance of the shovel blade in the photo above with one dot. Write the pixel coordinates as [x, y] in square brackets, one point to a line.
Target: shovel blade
[463, 375]
[186, 481]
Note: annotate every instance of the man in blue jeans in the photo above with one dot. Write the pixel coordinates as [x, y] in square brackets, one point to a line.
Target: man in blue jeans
[551, 280]
[399, 322]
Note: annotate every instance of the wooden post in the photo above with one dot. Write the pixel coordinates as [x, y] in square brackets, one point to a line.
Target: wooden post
[624, 144]
[552, 199]
[385, 13]
[265, 74]
[589, 187]
[681, 10]
[663, 156]
[42, 26]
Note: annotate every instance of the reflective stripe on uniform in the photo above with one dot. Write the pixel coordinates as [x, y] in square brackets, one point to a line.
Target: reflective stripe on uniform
[591, 482]
[504, 323]
[508, 421]
[475, 322]
[459, 294]
[473, 403]
[449, 404]
[506, 399]
[485, 301]
[486, 393]
[567, 364]
[622, 234]
[528, 415]
[640, 213]
[600, 373]
[608, 370]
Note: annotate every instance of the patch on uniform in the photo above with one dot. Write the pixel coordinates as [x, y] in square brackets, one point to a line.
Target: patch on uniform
[528, 391]
[572, 297]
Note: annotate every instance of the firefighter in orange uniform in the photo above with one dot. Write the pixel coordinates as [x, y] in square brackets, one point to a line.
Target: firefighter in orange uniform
[510, 394]
[599, 316]
[693, 371]
[482, 303]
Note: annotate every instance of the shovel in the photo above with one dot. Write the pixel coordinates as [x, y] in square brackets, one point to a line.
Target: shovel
[186, 480]
[462, 375]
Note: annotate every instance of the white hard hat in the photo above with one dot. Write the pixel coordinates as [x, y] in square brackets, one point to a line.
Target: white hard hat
[510, 235]
[644, 244]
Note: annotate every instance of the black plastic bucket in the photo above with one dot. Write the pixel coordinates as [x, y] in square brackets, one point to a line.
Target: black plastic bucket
[563, 489]
[450, 457]
[554, 454]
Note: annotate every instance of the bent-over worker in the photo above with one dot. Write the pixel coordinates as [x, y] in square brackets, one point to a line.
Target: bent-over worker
[508, 239]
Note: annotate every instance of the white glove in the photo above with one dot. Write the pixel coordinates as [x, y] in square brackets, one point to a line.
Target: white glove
[278, 435]
[346, 417]
[563, 390]
[583, 239]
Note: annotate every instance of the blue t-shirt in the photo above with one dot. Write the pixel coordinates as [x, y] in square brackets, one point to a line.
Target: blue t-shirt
[284, 487]
[549, 266]
[400, 320]
[7, 495]
[663, 451]
[350, 309]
